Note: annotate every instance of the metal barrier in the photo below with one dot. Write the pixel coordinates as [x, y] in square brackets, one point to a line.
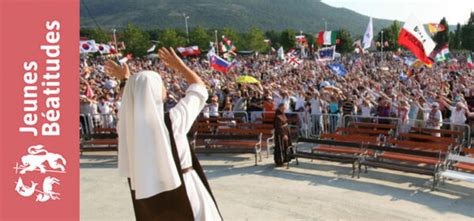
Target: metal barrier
[89, 122]
[323, 123]
[373, 119]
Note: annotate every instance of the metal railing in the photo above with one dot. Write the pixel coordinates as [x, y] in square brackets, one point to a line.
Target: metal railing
[89, 122]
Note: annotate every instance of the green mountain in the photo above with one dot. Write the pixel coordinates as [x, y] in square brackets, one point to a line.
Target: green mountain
[305, 15]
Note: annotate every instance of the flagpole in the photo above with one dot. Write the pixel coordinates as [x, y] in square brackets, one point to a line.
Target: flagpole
[115, 39]
[381, 44]
[217, 44]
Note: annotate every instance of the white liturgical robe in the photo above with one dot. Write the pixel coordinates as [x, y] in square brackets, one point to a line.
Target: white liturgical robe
[144, 146]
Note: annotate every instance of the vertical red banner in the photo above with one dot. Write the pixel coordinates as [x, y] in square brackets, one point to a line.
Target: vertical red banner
[39, 136]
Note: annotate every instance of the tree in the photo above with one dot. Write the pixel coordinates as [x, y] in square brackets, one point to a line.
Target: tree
[287, 39]
[200, 37]
[137, 42]
[455, 38]
[274, 38]
[255, 40]
[390, 37]
[100, 36]
[170, 38]
[345, 41]
[467, 34]
[441, 38]
[232, 35]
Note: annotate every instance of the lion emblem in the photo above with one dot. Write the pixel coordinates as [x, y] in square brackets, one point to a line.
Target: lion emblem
[37, 158]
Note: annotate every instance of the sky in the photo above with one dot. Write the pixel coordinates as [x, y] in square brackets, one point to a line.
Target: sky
[426, 11]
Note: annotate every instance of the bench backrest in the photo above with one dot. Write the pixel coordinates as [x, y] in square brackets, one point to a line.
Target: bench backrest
[441, 131]
[353, 138]
[428, 138]
[443, 147]
[373, 125]
[352, 130]
[256, 137]
[245, 131]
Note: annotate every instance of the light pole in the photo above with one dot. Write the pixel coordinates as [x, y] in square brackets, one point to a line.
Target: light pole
[381, 43]
[217, 44]
[186, 23]
[115, 39]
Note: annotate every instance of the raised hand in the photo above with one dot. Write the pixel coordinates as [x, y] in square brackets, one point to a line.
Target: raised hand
[171, 60]
[116, 70]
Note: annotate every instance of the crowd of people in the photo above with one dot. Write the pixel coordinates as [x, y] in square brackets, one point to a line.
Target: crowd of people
[385, 86]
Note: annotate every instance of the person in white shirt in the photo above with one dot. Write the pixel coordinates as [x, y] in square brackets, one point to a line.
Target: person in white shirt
[317, 106]
[165, 178]
[435, 118]
[214, 107]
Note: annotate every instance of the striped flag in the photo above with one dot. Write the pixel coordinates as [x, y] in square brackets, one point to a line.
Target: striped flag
[219, 63]
[327, 38]
[414, 37]
[443, 54]
[469, 62]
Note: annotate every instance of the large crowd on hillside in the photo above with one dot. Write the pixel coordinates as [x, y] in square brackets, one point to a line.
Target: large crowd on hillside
[376, 85]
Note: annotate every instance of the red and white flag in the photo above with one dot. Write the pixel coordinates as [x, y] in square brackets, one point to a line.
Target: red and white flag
[414, 37]
[189, 51]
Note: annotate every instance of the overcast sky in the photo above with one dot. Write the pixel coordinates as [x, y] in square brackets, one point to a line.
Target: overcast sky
[427, 11]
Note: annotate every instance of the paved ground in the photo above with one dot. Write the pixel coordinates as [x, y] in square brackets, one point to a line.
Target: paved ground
[315, 190]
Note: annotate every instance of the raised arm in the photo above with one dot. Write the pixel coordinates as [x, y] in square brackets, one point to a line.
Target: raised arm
[171, 60]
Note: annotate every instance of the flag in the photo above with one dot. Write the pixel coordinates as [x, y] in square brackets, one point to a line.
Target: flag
[326, 54]
[338, 69]
[414, 37]
[327, 38]
[281, 53]
[88, 46]
[369, 35]
[435, 28]
[151, 49]
[227, 45]
[189, 51]
[301, 39]
[293, 59]
[469, 61]
[219, 63]
[104, 48]
[442, 54]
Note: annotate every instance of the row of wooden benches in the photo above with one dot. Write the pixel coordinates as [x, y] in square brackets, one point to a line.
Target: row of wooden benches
[428, 158]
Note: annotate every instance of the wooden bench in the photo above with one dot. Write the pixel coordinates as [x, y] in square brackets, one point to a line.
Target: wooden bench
[254, 125]
[375, 126]
[98, 142]
[459, 167]
[415, 145]
[268, 139]
[351, 130]
[406, 158]
[443, 132]
[218, 119]
[328, 150]
[427, 138]
[223, 143]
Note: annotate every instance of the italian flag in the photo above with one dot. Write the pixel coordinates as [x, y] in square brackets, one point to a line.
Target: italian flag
[469, 62]
[443, 54]
[414, 37]
[327, 38]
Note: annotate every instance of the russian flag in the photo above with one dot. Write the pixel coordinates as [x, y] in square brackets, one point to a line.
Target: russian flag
[219, 63]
